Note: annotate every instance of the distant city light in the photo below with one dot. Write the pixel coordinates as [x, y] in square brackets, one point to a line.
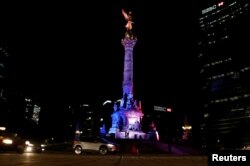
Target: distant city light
[186, 127]
[36, 112]
[221, 3]
[206, 115]
[27, 99]
[169, 110]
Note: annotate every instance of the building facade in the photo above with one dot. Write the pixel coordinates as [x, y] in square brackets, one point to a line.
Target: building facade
[84, 119]
[3, 91]
[225, 72]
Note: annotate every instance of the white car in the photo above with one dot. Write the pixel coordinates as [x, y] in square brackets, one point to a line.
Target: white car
[94, 144]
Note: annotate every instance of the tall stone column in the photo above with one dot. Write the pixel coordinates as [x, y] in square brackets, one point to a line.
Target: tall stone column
[127, 84]
[126, 118]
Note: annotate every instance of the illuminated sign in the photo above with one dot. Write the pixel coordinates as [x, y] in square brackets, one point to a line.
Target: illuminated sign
[163, 109]
[158, 108]
[208, 9]
[212, 7]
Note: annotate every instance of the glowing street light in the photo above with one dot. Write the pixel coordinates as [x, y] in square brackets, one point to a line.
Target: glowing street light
[187, 127]
[107, 101]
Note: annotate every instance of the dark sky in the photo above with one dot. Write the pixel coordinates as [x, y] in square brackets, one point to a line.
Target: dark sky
[67, 52]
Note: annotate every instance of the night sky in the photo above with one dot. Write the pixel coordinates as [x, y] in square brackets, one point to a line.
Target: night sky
[71, 52]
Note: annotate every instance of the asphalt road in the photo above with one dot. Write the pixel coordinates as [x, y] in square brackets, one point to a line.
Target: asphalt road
[50, 159]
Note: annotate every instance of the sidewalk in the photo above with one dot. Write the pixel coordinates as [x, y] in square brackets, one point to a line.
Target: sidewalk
[149, 147]
[179, 149]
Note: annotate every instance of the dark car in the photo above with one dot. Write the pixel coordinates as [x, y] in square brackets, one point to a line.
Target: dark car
[13, 142]
[94, 144]
[32, 147]
[9, 141]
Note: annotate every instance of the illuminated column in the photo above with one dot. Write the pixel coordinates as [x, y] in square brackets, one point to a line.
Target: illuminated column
[127, 84]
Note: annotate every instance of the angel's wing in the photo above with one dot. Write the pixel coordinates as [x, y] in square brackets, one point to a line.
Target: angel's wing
[125, 15]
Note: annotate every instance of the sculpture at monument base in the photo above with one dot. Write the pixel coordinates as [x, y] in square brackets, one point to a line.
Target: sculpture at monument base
[126, 122]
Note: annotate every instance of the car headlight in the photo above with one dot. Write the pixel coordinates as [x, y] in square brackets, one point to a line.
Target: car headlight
[7, 141]
[28, 143]
[29, 149]
[42, 147]
[111, 146]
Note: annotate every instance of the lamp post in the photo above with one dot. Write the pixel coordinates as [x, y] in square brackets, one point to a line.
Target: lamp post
[105, 116]
[107, 101]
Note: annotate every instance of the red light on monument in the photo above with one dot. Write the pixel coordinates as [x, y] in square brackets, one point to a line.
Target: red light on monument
[220, 4]
[169, 110]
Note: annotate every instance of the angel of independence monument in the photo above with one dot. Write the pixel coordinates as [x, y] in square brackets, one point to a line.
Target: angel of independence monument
[127, 115]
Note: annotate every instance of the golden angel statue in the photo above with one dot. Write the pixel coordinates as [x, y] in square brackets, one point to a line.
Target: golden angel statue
[128, 18]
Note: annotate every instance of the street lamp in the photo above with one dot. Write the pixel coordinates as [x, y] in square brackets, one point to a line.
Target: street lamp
[107, 101]
[105, 117]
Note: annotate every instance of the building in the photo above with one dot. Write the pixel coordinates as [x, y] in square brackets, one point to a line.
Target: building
[225, 71]
[4, 56]
[17, 112]
[3, 91]
[84, 120]
[161, 120]
[187, 131]
[3, 63]
[32, 110]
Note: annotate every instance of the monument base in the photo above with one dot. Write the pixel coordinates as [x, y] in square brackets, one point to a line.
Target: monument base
[131, 135]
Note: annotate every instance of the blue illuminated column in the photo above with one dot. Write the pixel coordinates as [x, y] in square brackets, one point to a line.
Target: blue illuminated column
[127, 84]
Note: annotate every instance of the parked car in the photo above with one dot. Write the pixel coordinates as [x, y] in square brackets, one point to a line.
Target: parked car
[94, 144]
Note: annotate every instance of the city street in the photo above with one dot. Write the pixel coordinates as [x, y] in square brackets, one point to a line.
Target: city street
[50, 159]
